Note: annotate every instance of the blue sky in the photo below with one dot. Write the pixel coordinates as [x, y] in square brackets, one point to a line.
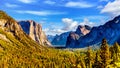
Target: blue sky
[58, 16]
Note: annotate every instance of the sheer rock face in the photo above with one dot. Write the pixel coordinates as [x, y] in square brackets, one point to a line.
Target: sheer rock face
[110, 30]
[34, 30]
[83, 30]
[74, 36]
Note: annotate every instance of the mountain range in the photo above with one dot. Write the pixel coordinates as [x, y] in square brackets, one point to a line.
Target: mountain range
[110, 30]
[87, 36]
[30, 32]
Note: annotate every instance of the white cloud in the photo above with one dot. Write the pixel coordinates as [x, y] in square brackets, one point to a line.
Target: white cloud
[87, 22]
[27, 1]
[78, 4]
[112, 8]
[49, 2]
[40, 13]
[69, 24]
[53, 31]
[11, 5]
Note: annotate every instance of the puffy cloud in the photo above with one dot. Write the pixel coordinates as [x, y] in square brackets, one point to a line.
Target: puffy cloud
[87, 22]
[11, 5]
[69, 24]
[78, 4]
[112, 8]
[55, 31]
[40, 13]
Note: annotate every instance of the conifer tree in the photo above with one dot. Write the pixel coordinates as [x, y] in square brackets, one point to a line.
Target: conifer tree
[89, 58]
[97, 63]
[104, 53]
[111, 52]
[82, 63]
[116, 48]
[115, 52]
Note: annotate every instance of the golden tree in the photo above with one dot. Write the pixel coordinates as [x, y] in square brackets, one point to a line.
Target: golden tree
[89, 58]
[115, 52]
[104, 53]
[97, 63]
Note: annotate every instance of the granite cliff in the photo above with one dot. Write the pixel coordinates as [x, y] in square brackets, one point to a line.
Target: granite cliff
[34, 30]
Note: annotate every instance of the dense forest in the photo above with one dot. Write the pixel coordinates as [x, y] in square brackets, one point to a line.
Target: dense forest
[104, 57]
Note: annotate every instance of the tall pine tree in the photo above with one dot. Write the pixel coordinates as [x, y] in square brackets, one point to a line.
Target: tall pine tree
[97, 63]
[104, 53]
[89, 58]
[115, 52]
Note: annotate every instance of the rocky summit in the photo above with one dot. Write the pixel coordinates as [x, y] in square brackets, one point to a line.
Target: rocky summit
[74, 36]
[110, 30]
[34, 30]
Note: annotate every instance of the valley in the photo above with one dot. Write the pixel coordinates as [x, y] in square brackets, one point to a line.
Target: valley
[22, 48]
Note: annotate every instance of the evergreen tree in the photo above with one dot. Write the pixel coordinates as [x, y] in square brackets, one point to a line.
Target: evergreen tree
[82, 63]
[89, 58]
[97, 63]
[111, 52]
[115, 52]
[104, 53]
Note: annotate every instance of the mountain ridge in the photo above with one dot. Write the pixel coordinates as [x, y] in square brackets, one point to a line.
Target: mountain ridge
[110, 31]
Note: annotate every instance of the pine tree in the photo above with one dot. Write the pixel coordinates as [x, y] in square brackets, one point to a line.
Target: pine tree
[97, 63]
[111, 52]
[89, 58]
[104, 53]
[82, 63]
[116, 48]
[115, 52]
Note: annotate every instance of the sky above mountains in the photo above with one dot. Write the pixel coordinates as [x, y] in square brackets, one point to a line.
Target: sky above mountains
[57, 16]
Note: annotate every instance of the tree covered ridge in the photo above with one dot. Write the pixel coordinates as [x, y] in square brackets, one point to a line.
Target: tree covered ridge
[3, 15]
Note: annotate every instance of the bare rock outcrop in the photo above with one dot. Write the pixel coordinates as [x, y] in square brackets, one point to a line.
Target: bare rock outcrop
[34, 30]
